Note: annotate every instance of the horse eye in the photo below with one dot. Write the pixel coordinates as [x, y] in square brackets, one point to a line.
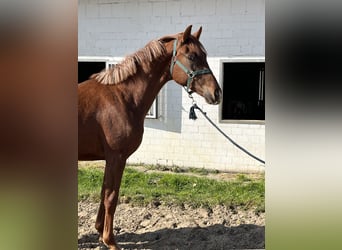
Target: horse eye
[192, 57]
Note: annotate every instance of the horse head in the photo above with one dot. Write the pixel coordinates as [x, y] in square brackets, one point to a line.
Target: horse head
[189, 66]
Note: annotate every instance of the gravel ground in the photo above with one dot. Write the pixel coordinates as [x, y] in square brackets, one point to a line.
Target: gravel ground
[175, 227]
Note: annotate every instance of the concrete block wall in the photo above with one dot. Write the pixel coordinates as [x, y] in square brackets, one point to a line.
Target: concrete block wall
[231, 28]
[120, 27]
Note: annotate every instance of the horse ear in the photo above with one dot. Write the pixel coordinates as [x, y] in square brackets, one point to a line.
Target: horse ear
[186, 34]
[198, 33]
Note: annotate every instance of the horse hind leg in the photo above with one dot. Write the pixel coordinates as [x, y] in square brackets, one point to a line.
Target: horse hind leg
[111, 186]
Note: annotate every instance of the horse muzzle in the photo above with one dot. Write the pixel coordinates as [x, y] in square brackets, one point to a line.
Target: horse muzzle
[213, 98]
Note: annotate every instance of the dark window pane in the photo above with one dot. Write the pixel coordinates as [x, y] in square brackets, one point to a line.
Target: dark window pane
[86, 69]
[243, 91]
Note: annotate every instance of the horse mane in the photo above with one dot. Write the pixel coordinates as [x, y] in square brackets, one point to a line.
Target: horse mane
[129, 66]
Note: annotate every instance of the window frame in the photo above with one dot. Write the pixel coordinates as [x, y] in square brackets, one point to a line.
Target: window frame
[256, 59]
[153, 111]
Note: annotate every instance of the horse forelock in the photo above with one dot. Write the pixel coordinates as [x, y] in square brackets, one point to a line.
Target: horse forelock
[130, 64]
[196, 43]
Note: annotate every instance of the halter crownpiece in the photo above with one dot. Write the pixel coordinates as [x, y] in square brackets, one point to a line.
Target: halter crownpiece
[191, 74]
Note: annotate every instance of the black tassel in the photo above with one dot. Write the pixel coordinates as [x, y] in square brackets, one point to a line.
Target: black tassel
[192, 114]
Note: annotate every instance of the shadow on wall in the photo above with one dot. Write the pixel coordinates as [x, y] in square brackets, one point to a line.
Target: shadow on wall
[169, 115]
[245, 236]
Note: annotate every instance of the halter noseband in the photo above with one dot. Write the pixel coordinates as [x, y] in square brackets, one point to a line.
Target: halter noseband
[191, 74]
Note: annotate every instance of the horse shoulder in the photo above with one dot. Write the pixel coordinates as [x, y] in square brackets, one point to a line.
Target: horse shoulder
[122, 127]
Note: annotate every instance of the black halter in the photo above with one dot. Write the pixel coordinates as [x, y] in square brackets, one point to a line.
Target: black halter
[191, 74]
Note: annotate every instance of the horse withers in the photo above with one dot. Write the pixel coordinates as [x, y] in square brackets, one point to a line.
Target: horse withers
[112, 106]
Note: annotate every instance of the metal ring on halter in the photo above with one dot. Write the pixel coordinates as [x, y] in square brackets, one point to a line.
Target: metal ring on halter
[191, 74]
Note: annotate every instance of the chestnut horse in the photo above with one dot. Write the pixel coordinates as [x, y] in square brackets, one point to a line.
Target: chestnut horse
[112, 106]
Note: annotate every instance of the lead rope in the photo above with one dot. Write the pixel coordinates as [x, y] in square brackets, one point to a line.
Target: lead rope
[193, 116]
[192, 113]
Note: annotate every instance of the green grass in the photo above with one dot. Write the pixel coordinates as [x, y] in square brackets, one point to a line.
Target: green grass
[169, 188]
[177, 169]
[89, 183]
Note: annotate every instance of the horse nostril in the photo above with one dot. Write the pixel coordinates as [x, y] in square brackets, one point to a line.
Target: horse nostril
[217, 94]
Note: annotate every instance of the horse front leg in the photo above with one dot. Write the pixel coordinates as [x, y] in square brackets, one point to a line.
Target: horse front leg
[111, 186]
[100, 215]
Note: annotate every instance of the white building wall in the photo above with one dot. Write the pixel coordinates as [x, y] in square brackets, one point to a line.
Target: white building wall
[231, 28]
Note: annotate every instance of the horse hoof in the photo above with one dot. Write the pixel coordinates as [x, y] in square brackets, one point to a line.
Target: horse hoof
[110, 244]
[104, 246]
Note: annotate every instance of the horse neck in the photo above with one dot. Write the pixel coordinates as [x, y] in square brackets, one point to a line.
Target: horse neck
[148, 82]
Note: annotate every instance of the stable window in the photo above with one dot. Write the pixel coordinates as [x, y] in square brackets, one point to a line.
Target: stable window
[91, 65]
[243, 91]
[86, 69]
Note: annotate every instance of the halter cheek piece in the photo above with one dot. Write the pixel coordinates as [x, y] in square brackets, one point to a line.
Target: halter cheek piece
[191, 74]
